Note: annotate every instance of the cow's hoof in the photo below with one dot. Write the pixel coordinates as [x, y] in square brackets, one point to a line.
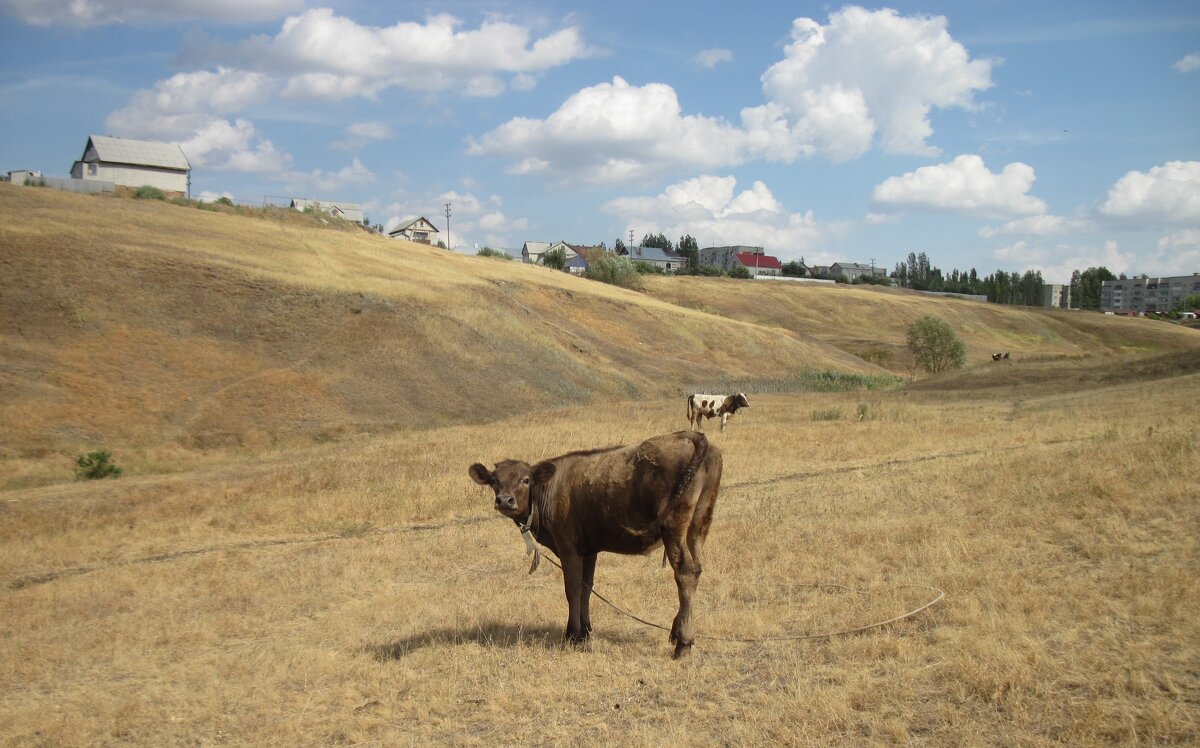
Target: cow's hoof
[682, 650]
[577, 638]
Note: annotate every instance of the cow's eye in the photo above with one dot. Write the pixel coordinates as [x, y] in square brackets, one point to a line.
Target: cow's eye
[524, 481]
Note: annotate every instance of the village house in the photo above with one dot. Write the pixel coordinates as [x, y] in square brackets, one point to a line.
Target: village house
[726, 257]
[533, 252]
[134, 163]
[852, 270]
[346, 211]
[759, 264]
[418, 230]
[659, 258]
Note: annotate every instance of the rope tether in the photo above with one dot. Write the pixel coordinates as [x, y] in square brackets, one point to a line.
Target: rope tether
[938, 595]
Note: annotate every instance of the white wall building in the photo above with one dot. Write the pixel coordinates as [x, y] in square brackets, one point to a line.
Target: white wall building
[133, 163]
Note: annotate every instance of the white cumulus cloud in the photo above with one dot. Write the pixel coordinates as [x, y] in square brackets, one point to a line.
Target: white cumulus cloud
[1176, 254]
[1057, 262]
[358, 134]
[1042, 225]
[710, 58]
[1188, 63]
[614, 132]
[964, 185]
[326, 56]
[1167, 194]
[190, 109]
[324, 185]
[871, 76]
[866, 79]
[712, 210]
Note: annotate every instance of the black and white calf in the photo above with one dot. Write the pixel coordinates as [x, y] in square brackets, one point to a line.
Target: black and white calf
[701, 406]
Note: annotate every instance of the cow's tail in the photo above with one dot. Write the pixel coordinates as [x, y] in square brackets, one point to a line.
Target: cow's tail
[699, 452]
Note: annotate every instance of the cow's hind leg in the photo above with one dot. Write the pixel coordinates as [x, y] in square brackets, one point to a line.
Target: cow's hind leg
[684, 545]
[687, 575]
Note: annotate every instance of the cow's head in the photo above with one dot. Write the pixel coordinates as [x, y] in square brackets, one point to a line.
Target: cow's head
[742, 402]
[513, 481]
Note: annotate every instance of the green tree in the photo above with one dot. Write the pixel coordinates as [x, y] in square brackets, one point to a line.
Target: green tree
[1190, 303]
[658, 240]
[739, 271]
[619, 247]
[795, 268]
[935, 346]
[1085, 287]
[690, 250]
[555, 258]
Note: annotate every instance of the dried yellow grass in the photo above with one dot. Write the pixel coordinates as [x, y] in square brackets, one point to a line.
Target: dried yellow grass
[365, 591]
[296, 556]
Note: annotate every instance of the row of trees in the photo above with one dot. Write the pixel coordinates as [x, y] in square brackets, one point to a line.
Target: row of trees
[999, 287]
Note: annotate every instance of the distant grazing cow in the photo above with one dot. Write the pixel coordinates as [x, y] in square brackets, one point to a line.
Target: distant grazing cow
[702, 406]
[1000, 356]
[621, 500]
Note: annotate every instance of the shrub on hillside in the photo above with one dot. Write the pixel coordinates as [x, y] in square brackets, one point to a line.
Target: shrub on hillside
[614, 269]
[148, 192]
[707, 270]
[555, 258]
[740, 271]
[96, 465]
[935, 346]
[489, 252]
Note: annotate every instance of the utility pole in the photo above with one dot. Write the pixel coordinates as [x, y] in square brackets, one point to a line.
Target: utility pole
[449, 245]
[631, 241]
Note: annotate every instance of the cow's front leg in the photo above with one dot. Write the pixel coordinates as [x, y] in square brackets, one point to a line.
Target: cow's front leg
[589, 577]
[724, 420]
[572, 565]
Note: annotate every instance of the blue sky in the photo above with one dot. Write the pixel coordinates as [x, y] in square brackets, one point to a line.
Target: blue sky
[993, 134]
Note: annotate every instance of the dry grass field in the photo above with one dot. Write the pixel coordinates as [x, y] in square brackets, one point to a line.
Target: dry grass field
[343, 581]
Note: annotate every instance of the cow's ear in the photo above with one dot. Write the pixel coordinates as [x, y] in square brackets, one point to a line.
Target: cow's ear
[480, 474]
[543, 471]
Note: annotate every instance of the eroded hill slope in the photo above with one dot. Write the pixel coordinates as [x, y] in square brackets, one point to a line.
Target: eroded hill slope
[131, 322]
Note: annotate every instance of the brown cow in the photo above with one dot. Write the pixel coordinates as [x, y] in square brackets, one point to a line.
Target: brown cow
[621, 500]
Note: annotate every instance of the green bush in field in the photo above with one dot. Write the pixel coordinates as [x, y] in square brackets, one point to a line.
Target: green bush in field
[147, 192]
[96, 465]
[619, 271]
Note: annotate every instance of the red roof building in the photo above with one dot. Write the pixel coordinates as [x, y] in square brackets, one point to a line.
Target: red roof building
[759, 264]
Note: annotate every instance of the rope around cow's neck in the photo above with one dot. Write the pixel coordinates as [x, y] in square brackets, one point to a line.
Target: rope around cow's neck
[938, 595]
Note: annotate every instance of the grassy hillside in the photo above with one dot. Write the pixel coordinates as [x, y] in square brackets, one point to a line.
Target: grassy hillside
[160, 329]
[871, 321]
[130, 322]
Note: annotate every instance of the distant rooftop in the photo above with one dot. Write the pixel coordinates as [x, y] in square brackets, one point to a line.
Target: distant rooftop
[138, 152]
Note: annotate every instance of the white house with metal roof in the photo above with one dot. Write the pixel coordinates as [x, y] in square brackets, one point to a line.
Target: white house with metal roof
[348, 211]
[419, 230]
[133, 163]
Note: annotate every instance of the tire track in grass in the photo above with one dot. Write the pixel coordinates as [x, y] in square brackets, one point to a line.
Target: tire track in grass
[37, 578]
